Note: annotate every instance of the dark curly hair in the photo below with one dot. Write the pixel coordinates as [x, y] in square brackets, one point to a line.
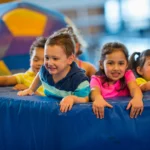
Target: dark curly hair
[38, 43]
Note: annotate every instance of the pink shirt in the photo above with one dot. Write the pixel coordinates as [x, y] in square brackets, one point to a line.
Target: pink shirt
[108, 91]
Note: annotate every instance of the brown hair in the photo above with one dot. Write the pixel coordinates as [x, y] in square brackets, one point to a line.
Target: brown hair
[63, 39]
[38, 43]
[75, 36]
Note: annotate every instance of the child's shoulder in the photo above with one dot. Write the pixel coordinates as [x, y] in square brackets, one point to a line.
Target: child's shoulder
[77, 75]
[129, 75]
[97, 77]
[129, 72]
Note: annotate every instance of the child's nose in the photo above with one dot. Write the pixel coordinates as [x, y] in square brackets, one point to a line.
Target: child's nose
[50, 61]
[116, 66]
[40, 63]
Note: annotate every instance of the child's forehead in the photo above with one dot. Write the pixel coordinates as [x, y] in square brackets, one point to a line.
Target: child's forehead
[51, 47]
[38, 50]
[147, 58]
[54, 49]
[116, 53]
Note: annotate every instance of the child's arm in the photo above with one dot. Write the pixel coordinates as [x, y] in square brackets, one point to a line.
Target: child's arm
[91, 70]
[145, 87]
[98, 102]
[8, 80]
[33, 87]
[136, 102]
[20, 87]
[67, 102]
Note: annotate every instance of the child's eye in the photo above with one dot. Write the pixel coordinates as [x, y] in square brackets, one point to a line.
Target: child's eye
[46, 58]
[110, 63]
[121, 63]
[55, 58]
[35, 59]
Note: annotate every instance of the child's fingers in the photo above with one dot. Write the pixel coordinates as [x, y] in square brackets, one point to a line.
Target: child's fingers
[30, 93]
[14, 88]
[137, 113]
[141, 110]
[128, 106]
[109, 105]
[70, 106]
[61, 108]
[19, 93]
[64, 107]
[101, 112]
[133, 112]
[96, 112]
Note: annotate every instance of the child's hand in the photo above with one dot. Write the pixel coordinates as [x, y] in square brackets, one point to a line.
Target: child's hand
[98, 107]
[66, 103]
[25, 92]
[136, 107]
[20, 87]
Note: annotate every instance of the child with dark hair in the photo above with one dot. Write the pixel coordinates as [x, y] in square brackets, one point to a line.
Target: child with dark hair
[22, 81]
[113, 80]
[140, 63]
[60, 76]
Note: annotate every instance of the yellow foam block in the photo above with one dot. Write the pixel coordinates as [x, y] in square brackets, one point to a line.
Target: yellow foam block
[4, 69]
[25, 22]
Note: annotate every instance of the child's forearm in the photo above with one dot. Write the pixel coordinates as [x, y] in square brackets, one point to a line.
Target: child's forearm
[145, 87]
[7, 80]
[95, 94]
[80, 99]
[136, 93]
[35, 84]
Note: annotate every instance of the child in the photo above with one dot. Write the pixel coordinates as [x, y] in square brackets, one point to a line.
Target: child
[113, 79]
[60, 76]
[88, 67]
[23, 80]
[141, 66]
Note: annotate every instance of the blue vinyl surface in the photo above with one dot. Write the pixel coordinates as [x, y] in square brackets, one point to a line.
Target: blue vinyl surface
[35, 123]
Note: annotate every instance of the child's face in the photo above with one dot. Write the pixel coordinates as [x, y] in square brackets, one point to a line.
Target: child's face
[56, 61]
[145, 70]
[37, 59]
[115, 65]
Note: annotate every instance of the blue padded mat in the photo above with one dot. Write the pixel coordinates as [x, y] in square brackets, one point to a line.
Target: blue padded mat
[35, 123]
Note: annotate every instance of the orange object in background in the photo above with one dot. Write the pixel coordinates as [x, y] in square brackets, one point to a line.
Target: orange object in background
[6, 1]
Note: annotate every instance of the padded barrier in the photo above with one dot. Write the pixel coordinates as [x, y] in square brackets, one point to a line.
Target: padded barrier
[35, 123]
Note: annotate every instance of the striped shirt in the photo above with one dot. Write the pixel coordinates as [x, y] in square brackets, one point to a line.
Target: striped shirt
[75, 83]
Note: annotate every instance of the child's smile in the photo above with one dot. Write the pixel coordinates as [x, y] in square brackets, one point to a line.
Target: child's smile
[115, 65]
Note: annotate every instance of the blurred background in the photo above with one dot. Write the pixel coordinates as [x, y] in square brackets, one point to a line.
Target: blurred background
[101, 21]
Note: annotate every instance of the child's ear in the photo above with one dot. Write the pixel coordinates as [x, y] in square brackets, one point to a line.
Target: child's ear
[71, 58]
[139, 70]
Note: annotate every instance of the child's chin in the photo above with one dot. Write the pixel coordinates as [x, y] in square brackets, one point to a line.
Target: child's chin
[51, 72]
